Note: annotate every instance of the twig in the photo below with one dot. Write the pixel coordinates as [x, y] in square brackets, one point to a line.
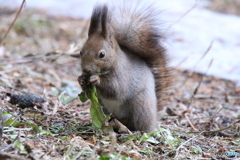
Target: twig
[216, 113]
[194, 93]
[15, 119]
[181, 146]
[180, 18]
[194, 128]
[181, 62]
[213, 131]
[10, 27]
[219, 130]
[11, 129]
[201, 96]
[33, 58]
[193, 70]
[1, 125]
[205, 53]
[200, 82]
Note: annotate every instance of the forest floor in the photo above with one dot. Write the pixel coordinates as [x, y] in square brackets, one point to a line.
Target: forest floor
[202, 118]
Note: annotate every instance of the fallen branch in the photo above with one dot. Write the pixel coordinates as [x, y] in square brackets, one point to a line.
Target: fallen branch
[10, 27]
[218, 130]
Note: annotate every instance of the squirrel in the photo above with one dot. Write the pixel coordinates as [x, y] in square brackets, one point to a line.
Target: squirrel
[124, 45]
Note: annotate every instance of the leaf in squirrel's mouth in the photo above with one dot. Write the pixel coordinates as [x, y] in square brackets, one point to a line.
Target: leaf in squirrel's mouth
[89, 75]
[104, 72]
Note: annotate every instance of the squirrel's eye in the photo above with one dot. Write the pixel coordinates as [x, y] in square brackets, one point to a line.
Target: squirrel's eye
[101, 54]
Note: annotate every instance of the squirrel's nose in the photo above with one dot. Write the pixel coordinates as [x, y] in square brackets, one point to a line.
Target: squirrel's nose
[87, 71]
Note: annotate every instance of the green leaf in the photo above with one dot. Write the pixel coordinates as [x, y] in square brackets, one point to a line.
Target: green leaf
[35, 128]
[112, 156]
[237, 142]
[96, 112]
[8, 121]
[148, 137]
[45, 132]
[18, 144]
[12, 123]
[83, 97]
[38, 129]
[128, 137]
[144, 137]
[6, 116]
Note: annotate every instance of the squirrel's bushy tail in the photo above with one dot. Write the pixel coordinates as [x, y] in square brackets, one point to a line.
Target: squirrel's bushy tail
[136, 27]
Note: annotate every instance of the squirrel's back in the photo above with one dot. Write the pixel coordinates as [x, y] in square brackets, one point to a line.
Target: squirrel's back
[137, 28]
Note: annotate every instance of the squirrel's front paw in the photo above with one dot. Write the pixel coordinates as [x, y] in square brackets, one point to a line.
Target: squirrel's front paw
[82, 81]
[94, 80]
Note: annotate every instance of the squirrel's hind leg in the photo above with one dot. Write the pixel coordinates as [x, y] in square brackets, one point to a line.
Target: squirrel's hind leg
[143, 112]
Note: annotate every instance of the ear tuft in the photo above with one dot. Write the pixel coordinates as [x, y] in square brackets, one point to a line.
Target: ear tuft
[104, 21]
[99, 21]
[95, 20]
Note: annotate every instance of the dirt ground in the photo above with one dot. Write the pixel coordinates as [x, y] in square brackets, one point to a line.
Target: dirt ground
[225, 6]
[202, 118]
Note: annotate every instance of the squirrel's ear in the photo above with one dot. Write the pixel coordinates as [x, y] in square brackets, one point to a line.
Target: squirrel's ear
[104, 22]
[95, 20]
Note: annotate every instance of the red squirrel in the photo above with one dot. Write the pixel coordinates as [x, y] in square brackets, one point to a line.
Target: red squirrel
[124, 45]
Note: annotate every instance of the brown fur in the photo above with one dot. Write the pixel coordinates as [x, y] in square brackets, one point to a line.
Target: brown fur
[134, 68]
[142, 35]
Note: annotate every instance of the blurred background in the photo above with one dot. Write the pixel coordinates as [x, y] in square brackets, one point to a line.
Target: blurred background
[192, 27]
